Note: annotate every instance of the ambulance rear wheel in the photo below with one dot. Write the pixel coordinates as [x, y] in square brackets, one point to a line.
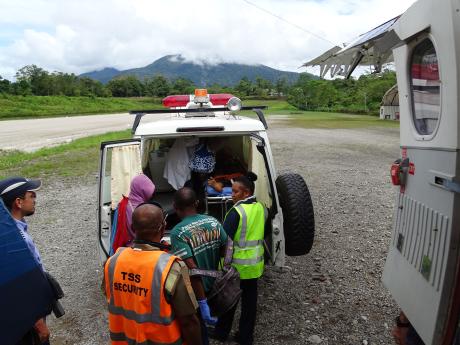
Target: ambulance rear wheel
[298, 215]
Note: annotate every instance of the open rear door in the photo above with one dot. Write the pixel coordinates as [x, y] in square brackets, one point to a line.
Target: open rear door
[120, 162]
[265, 192]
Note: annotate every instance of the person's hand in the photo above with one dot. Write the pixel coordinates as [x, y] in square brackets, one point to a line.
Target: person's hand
[206, 313]
[399, 331]
[212, 182]
[42, 330]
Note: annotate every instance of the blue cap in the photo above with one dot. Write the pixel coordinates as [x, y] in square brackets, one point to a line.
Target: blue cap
[14, 187]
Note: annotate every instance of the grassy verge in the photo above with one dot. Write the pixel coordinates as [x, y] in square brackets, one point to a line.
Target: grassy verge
[314, 119]
[78, 158]
[20, 107]
[337, 120]
[275, 106]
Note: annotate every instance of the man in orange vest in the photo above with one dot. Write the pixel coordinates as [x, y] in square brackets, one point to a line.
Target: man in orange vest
[150, 298]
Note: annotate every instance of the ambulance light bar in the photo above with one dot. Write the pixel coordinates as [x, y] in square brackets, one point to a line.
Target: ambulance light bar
[201, 96]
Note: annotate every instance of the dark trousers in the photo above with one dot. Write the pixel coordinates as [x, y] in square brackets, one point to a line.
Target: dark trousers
[248, 314]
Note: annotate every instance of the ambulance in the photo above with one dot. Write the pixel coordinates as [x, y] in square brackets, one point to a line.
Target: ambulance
[185, 121]
[422, 270]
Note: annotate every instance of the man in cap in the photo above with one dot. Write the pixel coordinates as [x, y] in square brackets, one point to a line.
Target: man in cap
[18, 195]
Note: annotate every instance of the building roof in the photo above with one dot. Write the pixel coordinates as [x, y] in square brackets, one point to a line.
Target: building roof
[391, 97]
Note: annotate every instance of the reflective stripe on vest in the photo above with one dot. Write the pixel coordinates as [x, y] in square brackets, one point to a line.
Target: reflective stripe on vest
[138, 310]
[123, 337]
[248, 255]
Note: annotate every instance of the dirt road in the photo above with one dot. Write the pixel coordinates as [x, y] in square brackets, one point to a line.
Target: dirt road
[52, 131]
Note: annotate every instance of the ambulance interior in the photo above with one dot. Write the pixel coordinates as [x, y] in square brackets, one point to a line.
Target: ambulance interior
[247, 150]
[234, 155]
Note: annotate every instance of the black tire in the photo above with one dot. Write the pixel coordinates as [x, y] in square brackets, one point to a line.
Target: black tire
[298, 215]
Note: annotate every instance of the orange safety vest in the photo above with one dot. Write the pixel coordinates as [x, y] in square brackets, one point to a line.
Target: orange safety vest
[138, 310]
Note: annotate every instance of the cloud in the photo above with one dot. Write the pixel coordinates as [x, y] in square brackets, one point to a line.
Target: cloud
[79, 36]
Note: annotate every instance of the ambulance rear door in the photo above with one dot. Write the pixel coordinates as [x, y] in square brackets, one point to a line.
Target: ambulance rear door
[120, 161]
[420, 271]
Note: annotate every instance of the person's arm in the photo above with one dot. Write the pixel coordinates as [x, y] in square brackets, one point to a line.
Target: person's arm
[218, 186]
[231, 223]
[400, 329]
[184, 303]
[197, 282]
[223, 240]
[42, 330]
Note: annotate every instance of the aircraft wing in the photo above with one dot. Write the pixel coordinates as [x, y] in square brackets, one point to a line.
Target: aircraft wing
[374, 48]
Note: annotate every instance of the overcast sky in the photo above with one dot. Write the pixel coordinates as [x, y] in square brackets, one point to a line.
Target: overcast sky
[78, 36]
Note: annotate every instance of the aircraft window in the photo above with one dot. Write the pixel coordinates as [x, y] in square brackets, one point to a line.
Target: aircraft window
[425, 86]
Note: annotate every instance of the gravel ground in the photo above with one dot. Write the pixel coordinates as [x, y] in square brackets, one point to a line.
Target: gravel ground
[331, 296]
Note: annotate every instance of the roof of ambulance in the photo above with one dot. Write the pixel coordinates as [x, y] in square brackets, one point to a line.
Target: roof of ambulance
[168, 124]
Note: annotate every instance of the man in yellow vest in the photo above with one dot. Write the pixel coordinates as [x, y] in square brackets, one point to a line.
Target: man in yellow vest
[150, 298]
[244, 223]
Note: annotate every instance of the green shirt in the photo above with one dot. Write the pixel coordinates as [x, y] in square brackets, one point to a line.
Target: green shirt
[201, 237]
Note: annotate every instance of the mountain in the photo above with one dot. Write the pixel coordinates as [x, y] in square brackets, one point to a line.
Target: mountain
[201, 74]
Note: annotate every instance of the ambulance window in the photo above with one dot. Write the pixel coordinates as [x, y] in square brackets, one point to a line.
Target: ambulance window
[425, 86]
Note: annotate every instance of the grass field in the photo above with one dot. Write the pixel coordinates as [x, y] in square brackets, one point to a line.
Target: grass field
[313, 119]
[78, 158]
[20, 107]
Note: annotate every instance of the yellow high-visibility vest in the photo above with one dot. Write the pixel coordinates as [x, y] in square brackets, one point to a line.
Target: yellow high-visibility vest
[248, 254]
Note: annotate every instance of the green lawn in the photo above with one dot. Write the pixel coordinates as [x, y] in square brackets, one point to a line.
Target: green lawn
[314, 119]
[17, 107]
[78, 158]
[337, 120]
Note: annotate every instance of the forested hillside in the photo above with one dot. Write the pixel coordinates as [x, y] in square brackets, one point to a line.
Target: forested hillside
[203, 74]
[362, 95]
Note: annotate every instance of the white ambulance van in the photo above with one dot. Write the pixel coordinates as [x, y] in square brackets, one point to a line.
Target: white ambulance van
[193, 118]
[422, 270]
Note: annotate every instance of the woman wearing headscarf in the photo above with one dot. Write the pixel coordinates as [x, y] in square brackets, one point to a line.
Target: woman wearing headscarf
[140, 191]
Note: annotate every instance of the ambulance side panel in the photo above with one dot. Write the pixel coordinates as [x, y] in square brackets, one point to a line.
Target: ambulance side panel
[423, 255]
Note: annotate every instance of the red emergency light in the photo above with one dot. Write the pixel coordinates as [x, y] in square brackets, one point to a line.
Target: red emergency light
[220, 98]
[173, 101]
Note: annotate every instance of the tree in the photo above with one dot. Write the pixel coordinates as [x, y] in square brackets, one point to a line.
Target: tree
[296, 97]
[182, 86]
[4, 85]
[281, 86]
[21, 88]
[157, 86]
[263, 87]
[38, 79]
[126, 86]
[244, 87]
